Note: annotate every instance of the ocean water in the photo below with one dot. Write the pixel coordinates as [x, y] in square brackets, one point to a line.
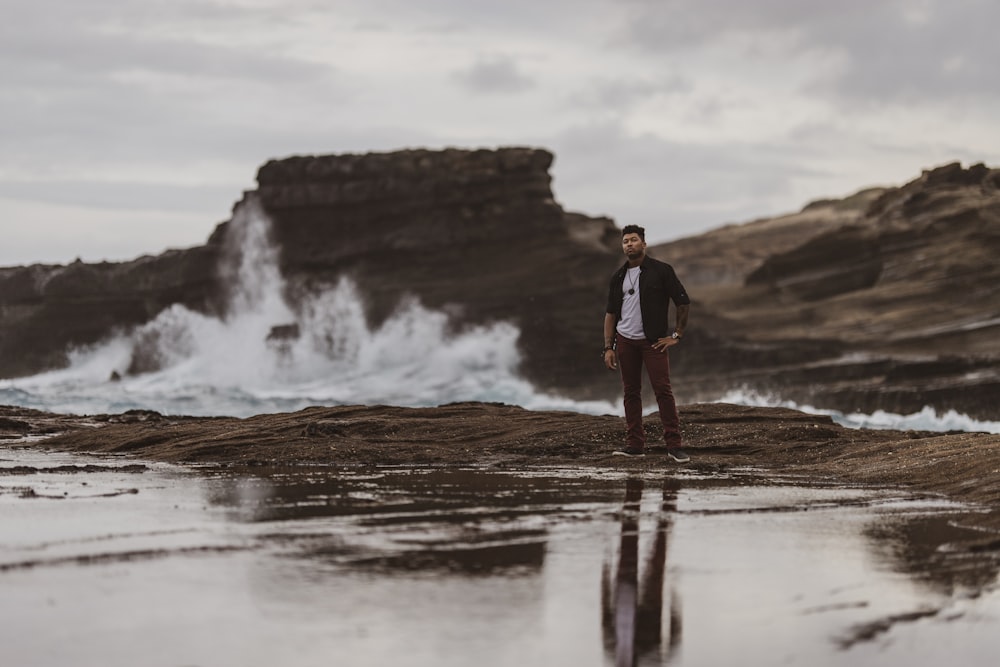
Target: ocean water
[927, 419]
[227, 366]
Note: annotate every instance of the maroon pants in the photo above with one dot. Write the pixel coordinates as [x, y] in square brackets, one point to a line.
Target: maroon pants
[632, 355]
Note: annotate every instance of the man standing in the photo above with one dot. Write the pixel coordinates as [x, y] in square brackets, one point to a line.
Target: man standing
[636, 333]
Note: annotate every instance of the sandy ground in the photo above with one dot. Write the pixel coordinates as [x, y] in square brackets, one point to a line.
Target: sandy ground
[719, 437]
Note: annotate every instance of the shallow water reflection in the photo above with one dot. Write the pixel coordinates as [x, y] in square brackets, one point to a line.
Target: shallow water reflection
[429, 566]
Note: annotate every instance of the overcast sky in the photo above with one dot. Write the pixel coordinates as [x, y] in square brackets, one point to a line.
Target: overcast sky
[131, 126]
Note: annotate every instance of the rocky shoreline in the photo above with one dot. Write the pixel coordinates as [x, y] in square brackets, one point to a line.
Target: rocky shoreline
[881, 300]
[778, 442]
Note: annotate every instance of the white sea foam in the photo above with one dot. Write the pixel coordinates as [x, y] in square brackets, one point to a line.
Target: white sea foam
[927, 419]
[226, 365]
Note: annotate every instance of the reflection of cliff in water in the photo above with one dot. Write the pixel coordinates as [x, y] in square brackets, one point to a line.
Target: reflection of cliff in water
[447, 521]
[919, 547]
[473, 521]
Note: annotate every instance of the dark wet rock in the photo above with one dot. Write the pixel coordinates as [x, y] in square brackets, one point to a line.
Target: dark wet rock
[73, 469]
[14, 426]
[719, 437]
[17, 422]
[284, 332]
[45, 310]
[131, 417]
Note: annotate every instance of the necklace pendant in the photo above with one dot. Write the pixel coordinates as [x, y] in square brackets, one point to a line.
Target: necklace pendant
[631, 291]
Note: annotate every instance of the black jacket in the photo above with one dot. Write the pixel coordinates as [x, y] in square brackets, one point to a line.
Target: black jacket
[658, 285]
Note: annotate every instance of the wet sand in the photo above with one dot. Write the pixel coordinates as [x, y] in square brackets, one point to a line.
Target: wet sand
[720, 438]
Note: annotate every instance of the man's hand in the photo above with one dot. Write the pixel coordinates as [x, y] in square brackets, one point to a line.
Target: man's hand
[662, 344]
[611, 360]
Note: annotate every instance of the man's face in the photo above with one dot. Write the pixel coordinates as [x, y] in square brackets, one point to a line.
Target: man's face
[633, 246]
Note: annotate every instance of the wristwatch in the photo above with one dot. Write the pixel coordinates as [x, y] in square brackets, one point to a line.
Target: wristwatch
[675, 336]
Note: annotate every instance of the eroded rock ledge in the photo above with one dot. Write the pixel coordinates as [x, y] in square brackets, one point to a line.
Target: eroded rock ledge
[719, 436]
[883, 300]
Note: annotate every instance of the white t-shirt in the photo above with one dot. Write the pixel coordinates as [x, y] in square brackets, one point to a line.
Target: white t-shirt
[630, 324]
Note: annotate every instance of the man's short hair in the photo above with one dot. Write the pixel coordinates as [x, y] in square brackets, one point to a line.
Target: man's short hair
[634, 229]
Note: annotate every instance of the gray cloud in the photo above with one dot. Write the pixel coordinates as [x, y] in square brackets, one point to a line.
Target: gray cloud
[894, 50]
[91, 53]
[523, 17]
[672, 188]
[953, 54]
[119, 195]
[112, 35]
[138, 91]
[494, 75]
[621, 93]
[77, 94]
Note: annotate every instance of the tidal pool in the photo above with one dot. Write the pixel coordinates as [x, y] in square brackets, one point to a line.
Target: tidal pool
[107, 561]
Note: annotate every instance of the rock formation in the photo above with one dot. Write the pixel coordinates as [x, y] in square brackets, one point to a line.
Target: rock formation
[45, 310]
[885, 299]
[475, 233]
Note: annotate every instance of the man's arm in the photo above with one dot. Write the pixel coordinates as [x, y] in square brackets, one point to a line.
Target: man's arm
[610, 358]
[682, 318]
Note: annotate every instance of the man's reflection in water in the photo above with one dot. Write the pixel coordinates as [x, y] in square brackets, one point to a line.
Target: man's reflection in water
[632, 615]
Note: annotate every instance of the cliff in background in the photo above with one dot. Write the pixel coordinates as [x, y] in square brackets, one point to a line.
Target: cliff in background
[45, 310]
[885, 299]
[477, 234]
